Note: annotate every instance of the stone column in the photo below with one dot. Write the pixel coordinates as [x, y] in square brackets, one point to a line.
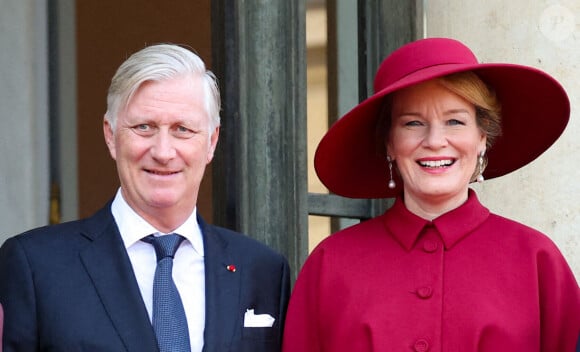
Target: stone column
[260, 167]
[24, 148]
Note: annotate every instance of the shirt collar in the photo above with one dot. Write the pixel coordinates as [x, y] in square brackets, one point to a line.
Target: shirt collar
[133, 227]
[452, 226]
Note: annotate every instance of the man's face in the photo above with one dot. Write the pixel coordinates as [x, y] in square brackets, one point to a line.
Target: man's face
[161, 145]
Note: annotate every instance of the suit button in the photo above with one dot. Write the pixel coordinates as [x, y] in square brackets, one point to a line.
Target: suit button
[425, 292]
[430, 246]
[421, 345]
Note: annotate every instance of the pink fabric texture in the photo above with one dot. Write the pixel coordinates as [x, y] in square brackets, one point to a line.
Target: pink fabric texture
[467, 281]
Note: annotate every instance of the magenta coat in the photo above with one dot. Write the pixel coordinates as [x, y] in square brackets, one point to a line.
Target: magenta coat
[466, 281]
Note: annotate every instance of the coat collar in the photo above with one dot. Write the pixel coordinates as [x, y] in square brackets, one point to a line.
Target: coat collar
[452, 226]
[222, 290]
[107, 263]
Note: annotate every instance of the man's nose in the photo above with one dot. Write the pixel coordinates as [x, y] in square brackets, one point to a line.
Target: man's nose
[163, 149]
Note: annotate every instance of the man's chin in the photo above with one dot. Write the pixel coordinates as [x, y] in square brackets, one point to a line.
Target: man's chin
[169, 201]
[162, 203]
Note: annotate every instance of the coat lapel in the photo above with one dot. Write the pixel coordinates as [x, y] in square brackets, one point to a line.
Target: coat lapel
[222, 291]
[107, 263]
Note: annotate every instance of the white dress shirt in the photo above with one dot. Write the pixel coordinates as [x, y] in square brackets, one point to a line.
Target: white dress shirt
[188, 265]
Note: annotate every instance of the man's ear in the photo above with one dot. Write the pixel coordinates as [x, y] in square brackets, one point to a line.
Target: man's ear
[109, 137]
[213, 139]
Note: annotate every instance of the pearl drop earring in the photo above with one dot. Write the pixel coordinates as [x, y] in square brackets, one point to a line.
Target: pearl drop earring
[480, 178]
[392, 183]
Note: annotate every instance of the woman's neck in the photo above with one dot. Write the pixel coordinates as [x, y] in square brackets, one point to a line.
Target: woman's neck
[432, 207]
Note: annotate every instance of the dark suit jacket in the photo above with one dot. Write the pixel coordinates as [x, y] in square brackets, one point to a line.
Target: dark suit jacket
[71, 287]
[1, 324]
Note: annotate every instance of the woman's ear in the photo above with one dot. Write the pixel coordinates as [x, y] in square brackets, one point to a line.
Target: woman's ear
[389, 151]
[483, 143]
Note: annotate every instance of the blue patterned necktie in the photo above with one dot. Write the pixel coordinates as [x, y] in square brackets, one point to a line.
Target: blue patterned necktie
[169, 321]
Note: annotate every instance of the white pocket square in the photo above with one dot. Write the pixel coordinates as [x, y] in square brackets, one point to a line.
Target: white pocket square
[252, 320]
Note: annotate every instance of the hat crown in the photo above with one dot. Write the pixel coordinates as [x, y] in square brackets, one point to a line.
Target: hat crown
[534, 108]
[419, 55]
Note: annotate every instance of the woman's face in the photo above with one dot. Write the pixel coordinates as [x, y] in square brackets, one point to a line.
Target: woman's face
[435, 141]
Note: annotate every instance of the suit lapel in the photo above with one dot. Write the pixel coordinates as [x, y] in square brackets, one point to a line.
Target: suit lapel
[107, 263]
[222, 291]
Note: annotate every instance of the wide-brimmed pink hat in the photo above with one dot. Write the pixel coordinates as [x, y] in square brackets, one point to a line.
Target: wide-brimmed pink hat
[535, 111]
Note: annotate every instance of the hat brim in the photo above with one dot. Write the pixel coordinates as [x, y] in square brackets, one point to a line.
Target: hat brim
[535, 112]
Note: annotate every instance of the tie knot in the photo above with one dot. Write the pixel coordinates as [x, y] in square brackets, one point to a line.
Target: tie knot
[166, 245]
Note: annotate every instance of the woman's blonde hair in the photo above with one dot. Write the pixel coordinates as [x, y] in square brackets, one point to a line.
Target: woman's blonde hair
[488, 108]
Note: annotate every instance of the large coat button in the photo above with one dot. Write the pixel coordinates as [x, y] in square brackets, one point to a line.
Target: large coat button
[430, 246]
[425, 292]
[421, 345]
